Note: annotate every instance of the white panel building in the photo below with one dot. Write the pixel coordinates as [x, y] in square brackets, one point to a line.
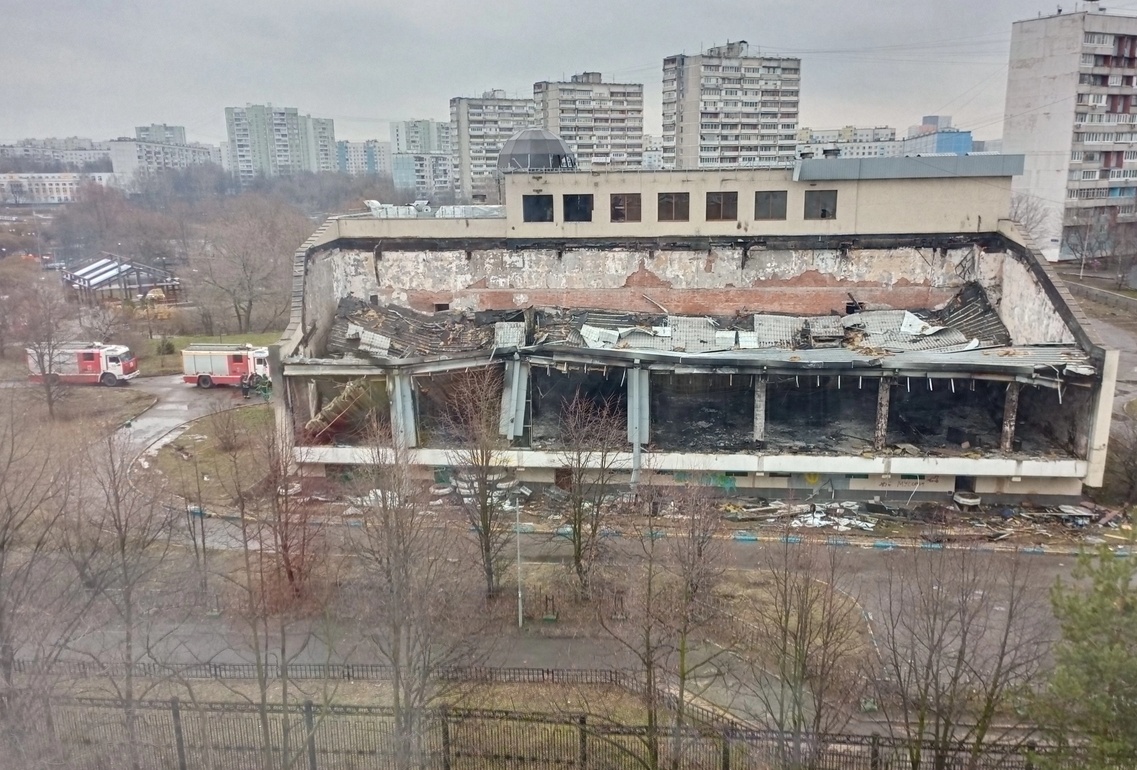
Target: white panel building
[479, 127]
[602, 122]
[1070, 108]
[727, 107]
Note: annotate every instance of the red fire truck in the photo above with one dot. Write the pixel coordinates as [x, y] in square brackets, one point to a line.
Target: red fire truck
[84, 362]
[207, 364]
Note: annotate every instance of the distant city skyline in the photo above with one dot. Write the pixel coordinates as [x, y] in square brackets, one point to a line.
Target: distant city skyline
[99, 68]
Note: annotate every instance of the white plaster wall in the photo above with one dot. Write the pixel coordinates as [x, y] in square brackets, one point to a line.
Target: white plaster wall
[1026, 310]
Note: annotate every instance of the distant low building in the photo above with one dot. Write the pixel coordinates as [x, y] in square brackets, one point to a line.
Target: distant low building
[75, 150]
[162, 133]
[131, 158]
[48, 188]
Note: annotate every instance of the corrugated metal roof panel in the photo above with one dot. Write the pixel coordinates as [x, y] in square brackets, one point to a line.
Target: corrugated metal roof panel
[777, 331]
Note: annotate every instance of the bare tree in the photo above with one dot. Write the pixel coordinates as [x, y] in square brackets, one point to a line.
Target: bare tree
[415, 597]
[117, 538]
[1036, 216]
[697, 562]
[472, 417]
[47, 318]
[280, 595]
[806, 648]
[961, 633]
[593, 437]
[246, 264]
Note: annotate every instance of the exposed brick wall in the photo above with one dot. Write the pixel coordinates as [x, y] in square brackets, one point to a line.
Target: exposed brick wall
[783, 297]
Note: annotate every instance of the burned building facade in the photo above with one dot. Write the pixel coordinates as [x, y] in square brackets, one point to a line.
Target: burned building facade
[847, 328]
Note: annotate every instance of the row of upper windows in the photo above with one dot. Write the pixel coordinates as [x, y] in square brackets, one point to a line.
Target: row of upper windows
[676, 206]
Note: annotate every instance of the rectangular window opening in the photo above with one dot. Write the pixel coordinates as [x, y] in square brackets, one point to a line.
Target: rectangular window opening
[625, 207]
[722, 206]
[820, 204]
[674, 207]
[770, 205]
[440, 307]
[578, 208]
[537, 208]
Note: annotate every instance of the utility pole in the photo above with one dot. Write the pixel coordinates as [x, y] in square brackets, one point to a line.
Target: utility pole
[517, 537]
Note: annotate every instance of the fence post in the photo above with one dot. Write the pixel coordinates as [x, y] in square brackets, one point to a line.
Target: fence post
[726, 749]
[445, 716]
[583, 722]
[1031, 747]
[874, 752]
[179, 739]
[310, 729]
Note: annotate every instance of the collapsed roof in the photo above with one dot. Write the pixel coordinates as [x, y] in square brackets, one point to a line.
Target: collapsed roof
[966, 333]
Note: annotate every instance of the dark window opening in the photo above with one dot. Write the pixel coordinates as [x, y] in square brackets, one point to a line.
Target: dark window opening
[722, 206]
[964, 483]
[441, 306]
[674, 207]
[912, 476]
[374, 300]
[856, 475]
[537, 208]
[780, 475]
[625, 207]
[770, 205]
[88, 356]
[237, 358]
[820, 204]
[578, 208]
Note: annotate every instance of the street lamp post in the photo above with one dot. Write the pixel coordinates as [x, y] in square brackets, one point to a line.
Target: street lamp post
[517, 537]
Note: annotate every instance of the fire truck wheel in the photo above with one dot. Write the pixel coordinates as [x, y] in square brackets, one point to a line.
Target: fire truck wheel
[108, 379]
[205, 381]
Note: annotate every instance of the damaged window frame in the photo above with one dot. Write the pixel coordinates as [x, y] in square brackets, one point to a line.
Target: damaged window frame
[722, 206]
[625, 207]
[820, 204]
[770, 205]
[577, 207]
[537, 208]
[674, 207]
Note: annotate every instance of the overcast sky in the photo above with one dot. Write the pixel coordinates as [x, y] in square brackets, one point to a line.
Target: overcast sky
[97, 68]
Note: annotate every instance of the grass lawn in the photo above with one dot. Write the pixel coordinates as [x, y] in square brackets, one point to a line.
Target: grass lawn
[151, 363]
[196, 466]
[83, 405]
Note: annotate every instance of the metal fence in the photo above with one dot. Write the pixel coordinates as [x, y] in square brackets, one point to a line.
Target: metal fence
[102, 734]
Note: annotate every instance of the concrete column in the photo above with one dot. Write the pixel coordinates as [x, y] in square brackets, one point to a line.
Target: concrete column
[639, 416]
[403, 425]
[760, 383]
[1010, 416]
[514, 395]
[883, 397]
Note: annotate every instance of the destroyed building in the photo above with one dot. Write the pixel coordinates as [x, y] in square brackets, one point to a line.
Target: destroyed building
[851, 328]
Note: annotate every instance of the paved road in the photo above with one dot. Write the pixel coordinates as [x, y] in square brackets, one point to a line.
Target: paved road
[178, 403]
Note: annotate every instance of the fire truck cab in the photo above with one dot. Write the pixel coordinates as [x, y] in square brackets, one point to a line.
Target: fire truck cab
[207, 364]
[84, 362]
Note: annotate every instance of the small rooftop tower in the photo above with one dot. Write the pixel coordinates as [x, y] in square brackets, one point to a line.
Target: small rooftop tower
[535, 149]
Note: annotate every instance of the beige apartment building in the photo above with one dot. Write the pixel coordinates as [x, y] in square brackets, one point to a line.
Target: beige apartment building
[730, 107]
[479, 127]
[602, 122]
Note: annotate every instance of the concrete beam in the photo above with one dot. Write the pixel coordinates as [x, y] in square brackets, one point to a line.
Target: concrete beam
[514, 395]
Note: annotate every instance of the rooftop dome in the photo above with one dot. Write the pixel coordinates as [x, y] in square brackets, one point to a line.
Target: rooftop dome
[535, 149]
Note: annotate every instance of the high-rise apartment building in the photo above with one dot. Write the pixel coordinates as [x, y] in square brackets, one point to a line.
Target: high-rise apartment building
[426, 174]
[725, 107]
[479, 127]
[420, 136]
[278, 141]
[1070, 110]
[367, 157]
[161, 133]
[602, 122]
